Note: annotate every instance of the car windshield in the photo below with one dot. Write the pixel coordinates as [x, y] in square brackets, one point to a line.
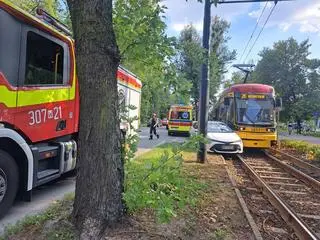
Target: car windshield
[255, 111]
[218, 128]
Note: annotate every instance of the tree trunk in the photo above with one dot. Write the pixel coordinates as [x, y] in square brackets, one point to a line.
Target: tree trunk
[100, 174]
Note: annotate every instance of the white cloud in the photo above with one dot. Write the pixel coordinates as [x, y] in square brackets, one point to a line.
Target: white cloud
[180, 26]
[304, 15]
[284, 26]
[308, 28]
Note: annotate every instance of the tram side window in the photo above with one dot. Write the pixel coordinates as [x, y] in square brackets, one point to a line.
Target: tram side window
[44, 61]
[231, 110]
[223, 112]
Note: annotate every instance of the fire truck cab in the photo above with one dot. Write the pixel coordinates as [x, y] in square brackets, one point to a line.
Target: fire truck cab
[39, 102]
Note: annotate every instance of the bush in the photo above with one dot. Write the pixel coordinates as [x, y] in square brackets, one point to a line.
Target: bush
[155, 181]
[311, 150]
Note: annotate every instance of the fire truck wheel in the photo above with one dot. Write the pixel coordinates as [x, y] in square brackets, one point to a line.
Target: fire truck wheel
[9, 181]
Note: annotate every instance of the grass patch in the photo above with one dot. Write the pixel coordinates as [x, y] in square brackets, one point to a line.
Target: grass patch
[219, 234]
[156, 181]
[312, 151]
[29, 224]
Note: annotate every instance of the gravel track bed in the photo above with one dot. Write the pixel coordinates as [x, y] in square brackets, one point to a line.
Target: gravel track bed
[267, 218]
[292, 195]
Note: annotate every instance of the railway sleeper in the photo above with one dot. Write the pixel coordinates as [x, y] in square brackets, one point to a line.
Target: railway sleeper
[315, 217]
[271, 172]
[305, 203]
[291, 192]
[286, 184]
[275, 169]
[277, 230]
[279, 178]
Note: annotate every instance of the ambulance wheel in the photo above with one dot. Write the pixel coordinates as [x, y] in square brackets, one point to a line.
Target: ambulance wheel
[9, 182]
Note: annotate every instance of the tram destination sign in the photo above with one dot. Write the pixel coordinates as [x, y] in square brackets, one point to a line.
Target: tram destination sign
[252, 96]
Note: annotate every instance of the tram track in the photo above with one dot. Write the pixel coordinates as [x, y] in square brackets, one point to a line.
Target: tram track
[294, 194]
[299, 163]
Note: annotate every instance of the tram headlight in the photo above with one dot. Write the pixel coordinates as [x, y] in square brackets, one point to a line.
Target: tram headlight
[242, 128]
[271, 129]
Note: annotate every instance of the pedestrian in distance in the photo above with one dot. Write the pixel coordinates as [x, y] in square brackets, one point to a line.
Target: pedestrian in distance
[153, 126]
[290, 127]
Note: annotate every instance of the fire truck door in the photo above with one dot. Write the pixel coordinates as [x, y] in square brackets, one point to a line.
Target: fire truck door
[9, 63]
[43, 103]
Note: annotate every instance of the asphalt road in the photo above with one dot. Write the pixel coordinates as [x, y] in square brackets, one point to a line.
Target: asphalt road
[43, 196]
[310, 139]
[146, 145]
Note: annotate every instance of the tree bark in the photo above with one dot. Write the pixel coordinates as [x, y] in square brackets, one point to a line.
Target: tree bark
[100, 171]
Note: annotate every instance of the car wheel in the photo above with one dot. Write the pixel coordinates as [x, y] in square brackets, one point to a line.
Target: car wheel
[9, 182]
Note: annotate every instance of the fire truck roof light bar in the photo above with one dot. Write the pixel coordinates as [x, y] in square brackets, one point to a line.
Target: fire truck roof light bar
[46, 17]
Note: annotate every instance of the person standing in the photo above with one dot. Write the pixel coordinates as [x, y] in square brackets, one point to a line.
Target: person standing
[153, 126]
[290, 127]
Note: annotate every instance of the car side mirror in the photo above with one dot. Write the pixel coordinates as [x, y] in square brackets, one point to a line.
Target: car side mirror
[226, 101]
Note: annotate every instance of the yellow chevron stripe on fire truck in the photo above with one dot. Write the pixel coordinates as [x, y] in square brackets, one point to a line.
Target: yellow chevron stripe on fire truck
[8, 97]
[35, 96]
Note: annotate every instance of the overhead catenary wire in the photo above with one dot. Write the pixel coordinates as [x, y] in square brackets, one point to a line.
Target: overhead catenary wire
[254, 30]
[265, 23]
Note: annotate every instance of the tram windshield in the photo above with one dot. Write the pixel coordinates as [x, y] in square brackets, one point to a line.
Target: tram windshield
[255, 111]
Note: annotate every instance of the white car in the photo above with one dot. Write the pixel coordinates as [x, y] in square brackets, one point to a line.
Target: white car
[223, 139]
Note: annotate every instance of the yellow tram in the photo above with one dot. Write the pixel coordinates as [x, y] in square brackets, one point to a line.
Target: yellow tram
[251, 110]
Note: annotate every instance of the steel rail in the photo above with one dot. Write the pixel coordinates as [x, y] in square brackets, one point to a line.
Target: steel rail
[303, 232]
[295, 172]
[298, 162]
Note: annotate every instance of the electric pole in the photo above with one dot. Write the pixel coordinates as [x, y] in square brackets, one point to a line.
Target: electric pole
[202, 153]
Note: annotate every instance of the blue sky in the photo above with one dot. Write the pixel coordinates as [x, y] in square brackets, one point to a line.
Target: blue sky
[299, 19]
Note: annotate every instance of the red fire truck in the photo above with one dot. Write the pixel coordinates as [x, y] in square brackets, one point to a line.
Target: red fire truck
[39, 102]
